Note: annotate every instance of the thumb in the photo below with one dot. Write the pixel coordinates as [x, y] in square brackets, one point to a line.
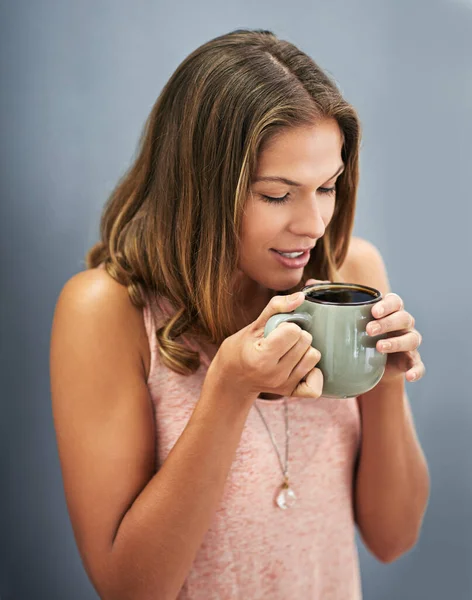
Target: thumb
[278, 304]
[313, 281]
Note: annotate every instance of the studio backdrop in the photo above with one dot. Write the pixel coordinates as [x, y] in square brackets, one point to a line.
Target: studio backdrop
[78, 79]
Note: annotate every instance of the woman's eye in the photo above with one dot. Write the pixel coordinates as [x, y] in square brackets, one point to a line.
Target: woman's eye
[280, 200]
[328, 191]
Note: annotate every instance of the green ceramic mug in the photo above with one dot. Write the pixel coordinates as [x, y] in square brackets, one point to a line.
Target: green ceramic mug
[336, 315]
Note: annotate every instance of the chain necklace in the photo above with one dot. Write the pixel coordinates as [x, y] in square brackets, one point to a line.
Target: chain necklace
[285, 497]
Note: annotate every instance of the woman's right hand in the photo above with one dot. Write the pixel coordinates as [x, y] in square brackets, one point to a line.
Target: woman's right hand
[275, 364]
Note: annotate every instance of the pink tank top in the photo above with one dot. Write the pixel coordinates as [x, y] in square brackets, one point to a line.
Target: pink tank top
[253, 549]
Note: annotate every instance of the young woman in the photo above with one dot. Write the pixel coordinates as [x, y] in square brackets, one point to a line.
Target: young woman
[178, 423]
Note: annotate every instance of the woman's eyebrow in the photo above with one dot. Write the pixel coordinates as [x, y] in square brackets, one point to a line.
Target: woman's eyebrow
[293, 183]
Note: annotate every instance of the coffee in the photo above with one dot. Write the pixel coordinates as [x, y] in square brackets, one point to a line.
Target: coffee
[340, 295]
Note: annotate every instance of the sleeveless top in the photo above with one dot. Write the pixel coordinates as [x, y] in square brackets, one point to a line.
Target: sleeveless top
[254, 550]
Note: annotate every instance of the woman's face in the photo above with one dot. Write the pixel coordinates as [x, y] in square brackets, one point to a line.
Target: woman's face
[309, 159]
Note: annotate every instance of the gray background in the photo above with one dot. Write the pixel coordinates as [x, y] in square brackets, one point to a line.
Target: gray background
[78, 79]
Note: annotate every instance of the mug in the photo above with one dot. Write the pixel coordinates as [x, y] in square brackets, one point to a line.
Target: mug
[336, 315]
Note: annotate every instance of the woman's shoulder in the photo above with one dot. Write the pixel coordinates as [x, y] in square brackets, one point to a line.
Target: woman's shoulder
[95, 292]
[93, 299]
[362, 258]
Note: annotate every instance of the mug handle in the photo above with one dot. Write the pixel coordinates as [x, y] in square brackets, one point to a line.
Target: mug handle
[301, 319]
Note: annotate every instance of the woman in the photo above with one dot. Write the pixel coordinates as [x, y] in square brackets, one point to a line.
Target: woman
[178, 423]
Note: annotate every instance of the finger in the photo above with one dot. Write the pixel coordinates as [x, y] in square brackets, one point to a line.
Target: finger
[302, 370]
[312, 282]
[312, 387]
[416, 372]
[280, 341]
[277, 304]
[407, 360]
[391, 303]
[296, 352]
[315, 281]
[301, 359]
[403, 343]
[395, 322]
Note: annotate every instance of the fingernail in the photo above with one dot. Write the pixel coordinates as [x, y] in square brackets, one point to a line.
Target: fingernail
[295, 297]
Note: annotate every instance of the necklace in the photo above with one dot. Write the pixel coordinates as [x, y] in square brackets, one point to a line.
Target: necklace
[285, 497]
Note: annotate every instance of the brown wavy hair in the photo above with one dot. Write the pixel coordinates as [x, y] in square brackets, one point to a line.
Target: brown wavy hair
[171, 227]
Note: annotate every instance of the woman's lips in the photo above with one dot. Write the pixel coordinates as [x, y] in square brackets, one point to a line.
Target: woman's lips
[292, 263]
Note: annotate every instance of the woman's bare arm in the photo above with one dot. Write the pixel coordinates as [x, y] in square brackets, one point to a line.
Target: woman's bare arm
[137, 531]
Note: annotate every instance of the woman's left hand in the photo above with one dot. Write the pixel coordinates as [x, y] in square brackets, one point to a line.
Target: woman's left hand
[402, 342]
[402, 339]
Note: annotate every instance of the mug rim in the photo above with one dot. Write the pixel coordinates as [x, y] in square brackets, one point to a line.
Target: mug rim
[358, 286]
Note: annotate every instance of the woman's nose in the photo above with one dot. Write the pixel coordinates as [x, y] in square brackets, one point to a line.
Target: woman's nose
[308, 220]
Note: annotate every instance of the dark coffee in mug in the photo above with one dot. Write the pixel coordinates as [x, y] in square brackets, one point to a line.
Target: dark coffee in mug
[338, 295]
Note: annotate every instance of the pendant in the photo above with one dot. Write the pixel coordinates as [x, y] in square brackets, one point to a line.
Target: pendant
[286, 497]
